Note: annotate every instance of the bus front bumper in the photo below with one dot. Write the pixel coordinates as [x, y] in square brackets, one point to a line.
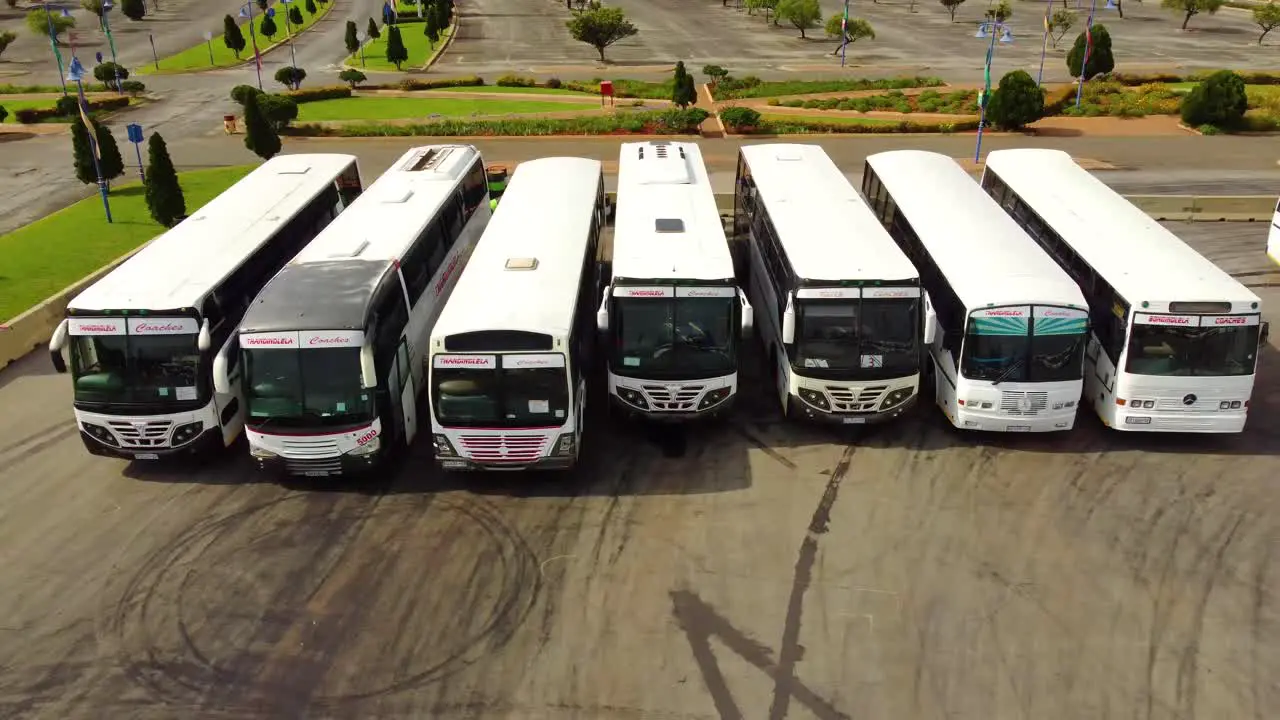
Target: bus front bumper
[207, 442]
[720, 409]
[993, 422]
[1151, 421]
[805, 411]
[341, 465]
[462, 464]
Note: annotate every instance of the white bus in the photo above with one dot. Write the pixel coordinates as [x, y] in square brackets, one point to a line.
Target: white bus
[512, 351]
[673, 310]
[332, 349]
[1273, 236]
[1008, 356]
[1175, 339]
[141, 340]
[838, 304]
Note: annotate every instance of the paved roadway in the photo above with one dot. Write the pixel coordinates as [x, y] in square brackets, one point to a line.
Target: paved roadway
[33, 181]
[753, 570]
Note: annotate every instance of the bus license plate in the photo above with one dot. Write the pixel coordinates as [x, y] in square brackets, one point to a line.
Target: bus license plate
[854, 421]
[316, 473]
[146, 456]
[1019, 428]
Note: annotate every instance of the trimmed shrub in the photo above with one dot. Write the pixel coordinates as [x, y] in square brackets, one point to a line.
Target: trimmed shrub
[738, 119]
[1017, 102]
[329, 92]
[553, 83]
[164, 195]
[1100, 58]
[468, 81]
[133, 87]
[65, 108]
[1218, 100]
[279, 110]
[516, 81]
[242, 93]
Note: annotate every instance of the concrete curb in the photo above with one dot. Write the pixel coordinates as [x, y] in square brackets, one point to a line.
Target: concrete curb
[33, 328]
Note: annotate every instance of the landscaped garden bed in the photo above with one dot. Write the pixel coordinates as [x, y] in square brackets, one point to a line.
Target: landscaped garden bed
[730, 88]
[664, 122]
[957, 102]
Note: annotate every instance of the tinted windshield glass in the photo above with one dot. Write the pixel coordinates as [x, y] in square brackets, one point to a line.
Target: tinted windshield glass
[305, 388]
[874, 337]
[675, 337]
[135, 368]
[506, 398]
[1016, 347]
[827, 334]
[1182, 351]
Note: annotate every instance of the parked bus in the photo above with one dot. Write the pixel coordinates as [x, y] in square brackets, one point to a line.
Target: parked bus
[512, 350]
[1008, 354]
[673, 311]
[1175, 339]
[332, 349]
[838, 304]
[141, 339]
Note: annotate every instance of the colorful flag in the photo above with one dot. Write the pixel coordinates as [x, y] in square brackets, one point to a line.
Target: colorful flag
[90, 127]
[1046, 20]
[844, 22]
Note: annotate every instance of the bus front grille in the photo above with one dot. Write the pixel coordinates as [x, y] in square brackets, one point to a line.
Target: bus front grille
[142, 434]
[864, 399]
[327, 466]
[677, 398]
[500, 449]
[1023, 403]
[310, 448]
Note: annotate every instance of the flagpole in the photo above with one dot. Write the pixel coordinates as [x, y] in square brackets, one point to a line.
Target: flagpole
[253, 36]
[1088, 47]
[53, 43]
[986, 97]
[844, 33]
[1044, 43]
[77, 74]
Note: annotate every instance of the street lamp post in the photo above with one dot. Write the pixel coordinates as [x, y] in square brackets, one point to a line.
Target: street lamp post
[208, 42]
[990, 29]
[288, 28]
[247, 11]
[360, 38]
[76, 75]
[111, 41]
[53, 43]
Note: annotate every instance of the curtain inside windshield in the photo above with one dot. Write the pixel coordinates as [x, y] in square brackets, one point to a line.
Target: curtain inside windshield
[681, 335]
[1183, 351]
[306, 387]
[508, 398]
[135, 368]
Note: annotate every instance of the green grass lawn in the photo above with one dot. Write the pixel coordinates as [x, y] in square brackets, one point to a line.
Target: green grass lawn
[420, 50]
[13, 106]
[43, 258]
[398, 108]
[516, 90]
[197, 56]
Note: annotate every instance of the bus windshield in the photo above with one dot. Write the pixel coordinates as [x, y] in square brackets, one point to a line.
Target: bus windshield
[873, 336]
[1007, 345]
[1167, 351]
[500, 397]
[683, 337]
[136, 369]
[294, 388]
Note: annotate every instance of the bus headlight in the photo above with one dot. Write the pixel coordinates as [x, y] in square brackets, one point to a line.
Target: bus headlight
[897, 397]
[100, 434]
[186, 433]
[444, 448]
[814, 398]
[1235, 404]
[564, 446]
[633, 397]
[261, 453]
[368, 448]
[714, 397]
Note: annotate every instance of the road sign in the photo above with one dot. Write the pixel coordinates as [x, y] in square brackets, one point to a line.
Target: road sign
[135, 132]
[76, 72]
[271, 12]
[98, 56]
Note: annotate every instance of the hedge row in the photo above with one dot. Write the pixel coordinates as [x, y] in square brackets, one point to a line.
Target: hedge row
[799, 127]
[414, 84]
[664, 122]
[330, 92]
[28, 116]
[1259, 77]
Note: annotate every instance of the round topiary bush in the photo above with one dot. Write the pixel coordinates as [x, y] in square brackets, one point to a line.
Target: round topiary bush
[1219, 100]
[736, 117]
[1017, 101]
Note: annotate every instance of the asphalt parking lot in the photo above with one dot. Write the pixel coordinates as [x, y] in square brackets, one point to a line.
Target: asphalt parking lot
[747, 570]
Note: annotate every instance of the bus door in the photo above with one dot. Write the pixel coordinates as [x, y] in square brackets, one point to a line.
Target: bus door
[405, 384]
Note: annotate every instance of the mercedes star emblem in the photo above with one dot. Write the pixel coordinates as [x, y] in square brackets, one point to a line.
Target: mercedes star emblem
[1189, 400]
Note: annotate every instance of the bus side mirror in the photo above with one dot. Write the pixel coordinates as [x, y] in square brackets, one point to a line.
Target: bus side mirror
[789, 323]
[204, 341]
[56, 344]
[930, 322]
[221, 378]
[602, 315]
[748, 314]
[368, 373]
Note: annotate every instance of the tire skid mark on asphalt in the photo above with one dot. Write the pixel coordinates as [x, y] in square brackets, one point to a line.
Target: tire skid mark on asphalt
[1188, 681]
[31, 446]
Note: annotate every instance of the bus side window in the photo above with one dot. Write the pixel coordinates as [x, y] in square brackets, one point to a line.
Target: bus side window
[474, 188]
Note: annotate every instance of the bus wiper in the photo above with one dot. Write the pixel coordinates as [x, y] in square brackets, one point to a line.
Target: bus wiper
[1007, 372]
[889, 346]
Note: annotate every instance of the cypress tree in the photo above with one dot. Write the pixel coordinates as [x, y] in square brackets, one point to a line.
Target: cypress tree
[109, 160]
[268, 27]
[396, 51]
[295, 15]
[231, 36]
[82, 151]
[311, 7]
[432, 27]
[373, 30]
[259, 136]
[164, 193]
[352, 38]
